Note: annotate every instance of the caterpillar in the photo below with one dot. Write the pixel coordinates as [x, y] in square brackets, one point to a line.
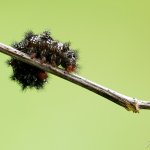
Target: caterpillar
[47, 50]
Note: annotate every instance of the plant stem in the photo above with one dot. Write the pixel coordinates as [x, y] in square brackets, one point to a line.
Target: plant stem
[131, 104]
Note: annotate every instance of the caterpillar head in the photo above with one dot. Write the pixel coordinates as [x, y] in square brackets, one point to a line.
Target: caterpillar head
[69, 61]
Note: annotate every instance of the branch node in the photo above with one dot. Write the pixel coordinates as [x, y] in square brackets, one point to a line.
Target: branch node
[133, 106]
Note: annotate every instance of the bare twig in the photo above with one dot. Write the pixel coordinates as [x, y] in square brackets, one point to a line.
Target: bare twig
[131, 104]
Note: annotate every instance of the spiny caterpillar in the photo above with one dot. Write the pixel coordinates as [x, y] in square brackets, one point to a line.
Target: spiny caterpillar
[47, 50]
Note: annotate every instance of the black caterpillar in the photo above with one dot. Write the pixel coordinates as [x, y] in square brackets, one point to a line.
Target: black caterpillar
[47, 50]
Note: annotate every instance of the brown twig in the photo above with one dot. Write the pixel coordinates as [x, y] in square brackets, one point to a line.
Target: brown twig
[131, 104]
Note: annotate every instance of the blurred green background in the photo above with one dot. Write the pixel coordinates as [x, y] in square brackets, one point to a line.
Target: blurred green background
[113, 42]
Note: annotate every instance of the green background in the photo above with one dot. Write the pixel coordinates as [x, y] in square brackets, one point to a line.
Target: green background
[112, 37]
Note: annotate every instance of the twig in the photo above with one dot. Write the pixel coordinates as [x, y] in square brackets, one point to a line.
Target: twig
[131, 104]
